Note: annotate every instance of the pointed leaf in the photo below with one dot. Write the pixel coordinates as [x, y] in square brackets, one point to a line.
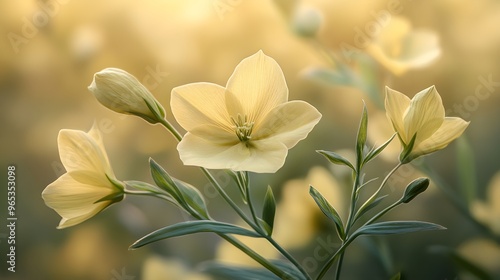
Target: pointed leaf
[163, 180]
[192, 197]
[397, 276]
[336, 158]
[328, 210]
[372, 154]
[361, 139]
[187, 196]
[191, 227]
[397, 227]
[269, 209]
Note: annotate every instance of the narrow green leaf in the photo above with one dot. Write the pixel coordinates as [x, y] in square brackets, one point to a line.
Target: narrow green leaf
[192, 197]
[191, 227]
[397, 227]
[404, 157]
[269, 209]
[372, 154]
[361, 139]
[365, 208]
[328, 210]
[163, 180]
[466, 169]
[187, 196]
[336, 158]
[242, 182]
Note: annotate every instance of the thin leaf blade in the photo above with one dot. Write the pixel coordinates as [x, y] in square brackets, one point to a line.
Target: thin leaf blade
[336, 158]
[191, 227]
[328, 210]
[269, 209]
[397, 227]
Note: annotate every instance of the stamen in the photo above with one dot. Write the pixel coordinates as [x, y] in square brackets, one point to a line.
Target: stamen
[243, 128]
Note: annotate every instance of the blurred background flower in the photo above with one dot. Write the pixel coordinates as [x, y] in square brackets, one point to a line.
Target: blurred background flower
[51, 49]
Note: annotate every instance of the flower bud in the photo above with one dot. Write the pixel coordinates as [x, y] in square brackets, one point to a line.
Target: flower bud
[307, 21]
[413, 189]
[123, 93]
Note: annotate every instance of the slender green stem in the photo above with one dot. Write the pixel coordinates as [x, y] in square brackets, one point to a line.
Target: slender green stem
[350, 219]
[339, 265]
[245, 180]
[349, 223]
[374, 196]
[172, 129]
[383, 212]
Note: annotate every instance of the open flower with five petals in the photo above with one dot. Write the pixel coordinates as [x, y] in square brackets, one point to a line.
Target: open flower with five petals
[422, 117]
[89, 185]
[249, 125]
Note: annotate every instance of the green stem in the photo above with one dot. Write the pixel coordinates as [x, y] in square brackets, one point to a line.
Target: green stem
[172, 129]
[268, 237]
[235, 242]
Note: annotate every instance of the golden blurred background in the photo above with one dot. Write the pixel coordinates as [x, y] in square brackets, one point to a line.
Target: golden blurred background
[51, 49]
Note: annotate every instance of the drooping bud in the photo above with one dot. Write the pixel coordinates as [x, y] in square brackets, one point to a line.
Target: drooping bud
[121, 92]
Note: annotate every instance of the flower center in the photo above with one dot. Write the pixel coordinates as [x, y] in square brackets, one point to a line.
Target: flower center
[243, 128]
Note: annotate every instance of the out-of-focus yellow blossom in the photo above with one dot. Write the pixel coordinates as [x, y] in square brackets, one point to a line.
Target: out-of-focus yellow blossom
[89, 185]
[296, 220]
[123, 93]
[297, 213]
[399, 48]
[484, 253]
[489, 212]
[227, 253]
[158, 268]
[247, 126]
[424, 117]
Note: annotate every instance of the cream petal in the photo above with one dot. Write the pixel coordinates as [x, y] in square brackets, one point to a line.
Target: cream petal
[288, 123]
[261, 157]
[92, 178]
[215, 134]
[450, 130]
[259, 85]
[74, 201]
[79, 151]
[200, 104]
[396, 105]
[425, 115]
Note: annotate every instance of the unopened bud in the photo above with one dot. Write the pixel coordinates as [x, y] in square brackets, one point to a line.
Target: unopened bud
[123, 93]
[413, 189]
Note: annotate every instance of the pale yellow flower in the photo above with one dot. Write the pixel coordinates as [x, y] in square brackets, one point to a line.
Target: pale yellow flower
[399, 48]
[247, 126]
[89, 185]
[489, 212]
[424, 116]
[123, 93]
